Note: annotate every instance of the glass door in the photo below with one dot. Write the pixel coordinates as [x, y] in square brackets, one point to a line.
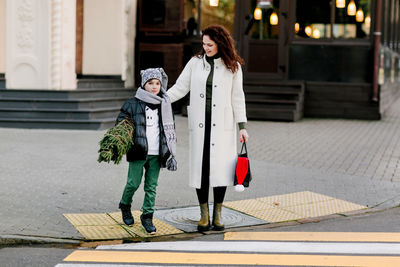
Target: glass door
[263, 36]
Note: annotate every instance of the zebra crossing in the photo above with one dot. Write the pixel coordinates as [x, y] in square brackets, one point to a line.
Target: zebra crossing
[250, 249]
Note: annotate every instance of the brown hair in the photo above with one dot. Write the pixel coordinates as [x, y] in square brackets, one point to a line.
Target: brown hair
[226, 48]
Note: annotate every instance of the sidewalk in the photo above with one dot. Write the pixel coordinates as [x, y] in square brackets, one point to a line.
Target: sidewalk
[47, 173]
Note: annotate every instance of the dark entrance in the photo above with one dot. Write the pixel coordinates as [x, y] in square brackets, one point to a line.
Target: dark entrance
[262, 35]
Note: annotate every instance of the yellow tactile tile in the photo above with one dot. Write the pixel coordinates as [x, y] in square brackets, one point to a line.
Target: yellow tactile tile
[247, 205]
[137, 229]
[274, 215]
[103, 232]
[324, 208]
[293, 206]
[293, 199]
[89, 219]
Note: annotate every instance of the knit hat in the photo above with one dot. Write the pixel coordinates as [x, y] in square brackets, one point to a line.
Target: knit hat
[153, 73]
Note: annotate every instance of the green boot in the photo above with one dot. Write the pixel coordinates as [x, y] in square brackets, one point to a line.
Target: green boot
[217, 218]
[204, 223]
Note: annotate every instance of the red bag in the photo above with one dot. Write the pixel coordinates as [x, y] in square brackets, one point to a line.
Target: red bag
[242, 172]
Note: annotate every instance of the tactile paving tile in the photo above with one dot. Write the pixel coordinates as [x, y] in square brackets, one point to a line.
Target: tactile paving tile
[324, 208]
[81, 219]
[293, 206]
[273, 214]
[163, 228]
[247, 205]
[293, 199]
[103, 232]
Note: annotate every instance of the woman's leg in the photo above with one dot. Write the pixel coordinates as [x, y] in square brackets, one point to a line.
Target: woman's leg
[202, 193]
[219, 195]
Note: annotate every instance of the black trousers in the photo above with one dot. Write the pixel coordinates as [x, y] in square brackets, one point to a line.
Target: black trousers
[202, 193]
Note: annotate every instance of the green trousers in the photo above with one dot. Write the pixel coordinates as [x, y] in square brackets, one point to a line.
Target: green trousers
[135, 174]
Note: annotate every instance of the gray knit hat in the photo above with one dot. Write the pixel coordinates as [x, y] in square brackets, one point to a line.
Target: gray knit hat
[154, 73]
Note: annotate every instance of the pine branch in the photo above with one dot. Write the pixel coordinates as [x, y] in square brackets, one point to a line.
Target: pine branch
[116, 142]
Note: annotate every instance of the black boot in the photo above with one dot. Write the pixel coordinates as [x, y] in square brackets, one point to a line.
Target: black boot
[126, 214]
[147, 223]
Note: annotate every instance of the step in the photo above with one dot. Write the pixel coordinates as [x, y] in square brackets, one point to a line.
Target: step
[274, 104]
[82, 114]
[260, 95]
[99, 83]
[273, 114]
[279, 89]
[51, 103]
[67, 94]
[2, 83]
[98, 124]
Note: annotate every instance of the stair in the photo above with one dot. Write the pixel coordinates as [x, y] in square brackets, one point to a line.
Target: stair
[84, 108]
[100, 83]
[2, 82]
[277, 101]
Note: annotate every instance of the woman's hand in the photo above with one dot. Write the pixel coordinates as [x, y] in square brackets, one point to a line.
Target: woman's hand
[243, 136]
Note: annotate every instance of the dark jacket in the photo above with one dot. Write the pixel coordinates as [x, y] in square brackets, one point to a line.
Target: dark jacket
[135, 110]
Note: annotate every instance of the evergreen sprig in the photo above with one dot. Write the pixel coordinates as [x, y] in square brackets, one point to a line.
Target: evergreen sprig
[116, 142]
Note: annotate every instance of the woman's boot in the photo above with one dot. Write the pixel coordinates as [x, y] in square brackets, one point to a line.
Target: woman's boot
[204, 223]
[217, 218]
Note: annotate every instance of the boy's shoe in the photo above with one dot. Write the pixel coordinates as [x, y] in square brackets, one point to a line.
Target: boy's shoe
[147, 223]
[126, 214]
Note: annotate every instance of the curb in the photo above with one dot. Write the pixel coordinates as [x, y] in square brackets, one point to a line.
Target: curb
[6, 240]
[14, 240]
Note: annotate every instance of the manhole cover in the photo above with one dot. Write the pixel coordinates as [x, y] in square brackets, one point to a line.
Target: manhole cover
[186, 218]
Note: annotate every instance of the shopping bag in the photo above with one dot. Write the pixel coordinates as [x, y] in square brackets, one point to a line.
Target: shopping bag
[242, 171]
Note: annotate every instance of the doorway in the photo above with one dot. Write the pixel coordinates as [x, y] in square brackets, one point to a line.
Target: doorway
[262, 35]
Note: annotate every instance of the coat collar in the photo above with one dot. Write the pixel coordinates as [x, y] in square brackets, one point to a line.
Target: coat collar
[217, 62]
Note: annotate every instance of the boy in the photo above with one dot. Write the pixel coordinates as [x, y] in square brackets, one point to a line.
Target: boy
[154, 141]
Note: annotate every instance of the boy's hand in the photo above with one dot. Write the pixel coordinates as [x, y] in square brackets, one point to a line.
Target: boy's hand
[244, 137]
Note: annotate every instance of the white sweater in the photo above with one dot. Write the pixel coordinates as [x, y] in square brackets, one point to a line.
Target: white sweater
[152, 131]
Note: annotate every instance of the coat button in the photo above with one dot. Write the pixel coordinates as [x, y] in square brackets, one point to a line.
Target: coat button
[212, 144]
[200, 125]
[214, 105]
[213, 124]
[202, 95]
[215, 85]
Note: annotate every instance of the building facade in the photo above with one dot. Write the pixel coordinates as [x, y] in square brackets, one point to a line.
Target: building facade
[337, 59]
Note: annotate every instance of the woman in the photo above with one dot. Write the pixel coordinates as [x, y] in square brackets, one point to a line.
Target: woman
[214, 79]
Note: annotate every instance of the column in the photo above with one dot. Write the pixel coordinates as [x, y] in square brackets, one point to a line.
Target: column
[128, 42]
[40, 44]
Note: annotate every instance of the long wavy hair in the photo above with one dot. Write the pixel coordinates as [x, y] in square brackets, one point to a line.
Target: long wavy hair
[226, 48]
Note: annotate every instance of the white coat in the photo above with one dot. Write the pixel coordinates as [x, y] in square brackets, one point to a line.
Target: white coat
[228, 108]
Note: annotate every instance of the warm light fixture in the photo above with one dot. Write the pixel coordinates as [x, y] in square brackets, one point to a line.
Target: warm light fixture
[351, 8]
[367, 21]
[360, 15]
[316, 34]
[257, 13]
[273, 19]
[340, 3]
[308, 30]
[214, 2]
[296, 27]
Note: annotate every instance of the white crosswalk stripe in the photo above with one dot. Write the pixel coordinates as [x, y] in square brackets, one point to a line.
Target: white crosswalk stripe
[248, 249]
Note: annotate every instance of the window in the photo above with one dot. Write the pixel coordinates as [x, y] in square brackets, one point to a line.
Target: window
[264, 24]
[208, 12]
[333, 19]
